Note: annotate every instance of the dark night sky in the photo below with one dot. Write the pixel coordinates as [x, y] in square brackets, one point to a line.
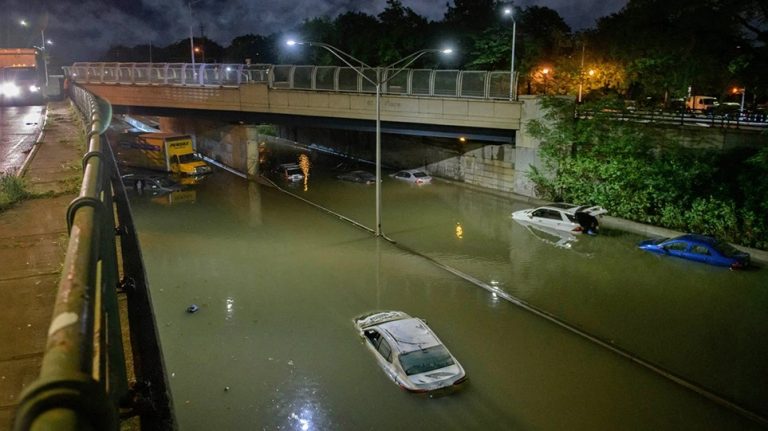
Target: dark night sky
[83, 29]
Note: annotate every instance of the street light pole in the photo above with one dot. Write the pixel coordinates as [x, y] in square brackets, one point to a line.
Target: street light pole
[191, 35]
[45, 57]
[581, 70]
[346, 58]
[512, 87]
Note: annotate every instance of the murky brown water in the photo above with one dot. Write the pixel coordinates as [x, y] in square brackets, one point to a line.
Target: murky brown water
[278, 283]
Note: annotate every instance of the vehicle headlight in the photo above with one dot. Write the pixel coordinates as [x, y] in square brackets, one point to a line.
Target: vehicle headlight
[34, 88]
[10, 89]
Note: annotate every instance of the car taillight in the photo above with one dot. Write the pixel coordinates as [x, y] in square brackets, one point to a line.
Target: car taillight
[577, 229]
[738, 265]
[419, 181]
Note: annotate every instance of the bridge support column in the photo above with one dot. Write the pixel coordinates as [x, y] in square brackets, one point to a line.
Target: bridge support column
[527, 147]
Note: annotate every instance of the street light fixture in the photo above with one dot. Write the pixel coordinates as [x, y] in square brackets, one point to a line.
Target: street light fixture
[512, 87]
[400, 65]
[43, 42]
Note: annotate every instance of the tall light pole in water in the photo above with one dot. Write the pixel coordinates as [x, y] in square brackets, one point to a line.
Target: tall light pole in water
[398, 66]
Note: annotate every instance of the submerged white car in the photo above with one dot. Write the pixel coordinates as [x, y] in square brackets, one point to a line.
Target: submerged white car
[409, 352]
[413, 176]
[561, 216]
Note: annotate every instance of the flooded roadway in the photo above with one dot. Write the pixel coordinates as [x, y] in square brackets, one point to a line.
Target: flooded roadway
[278, 283]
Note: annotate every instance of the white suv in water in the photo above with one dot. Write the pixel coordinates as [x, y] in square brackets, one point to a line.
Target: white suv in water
[562, 216]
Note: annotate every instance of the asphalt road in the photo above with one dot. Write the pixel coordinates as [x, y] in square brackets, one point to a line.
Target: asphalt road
[19, 127]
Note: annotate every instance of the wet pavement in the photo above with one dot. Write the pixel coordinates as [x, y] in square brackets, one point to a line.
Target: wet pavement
[19, 127]
[32, 247]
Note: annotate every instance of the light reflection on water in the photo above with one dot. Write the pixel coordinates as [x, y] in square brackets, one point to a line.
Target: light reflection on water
[279, 282]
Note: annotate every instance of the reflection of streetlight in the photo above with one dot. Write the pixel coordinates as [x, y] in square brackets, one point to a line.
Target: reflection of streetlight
[512, 87]
[401, 65]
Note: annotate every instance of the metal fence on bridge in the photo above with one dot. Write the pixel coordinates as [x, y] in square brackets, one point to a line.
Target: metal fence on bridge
[473, 84]
[83, 381]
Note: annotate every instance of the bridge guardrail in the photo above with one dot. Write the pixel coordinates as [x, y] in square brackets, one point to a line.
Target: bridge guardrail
[746, 121]
[472, 84]
[83, 382]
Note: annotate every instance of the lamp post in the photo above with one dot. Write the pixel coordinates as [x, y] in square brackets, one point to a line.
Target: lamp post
[581, 70]
[512, 87]
[400, 65]
[191, 35]
[43, 42]
[743, 91]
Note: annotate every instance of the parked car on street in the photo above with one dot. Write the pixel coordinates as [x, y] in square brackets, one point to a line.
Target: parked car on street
[358, 177]
[409, 352]
[414, 176]
[698, 248]
[562, 216]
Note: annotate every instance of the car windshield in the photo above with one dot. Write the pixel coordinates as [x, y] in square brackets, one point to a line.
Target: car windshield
[424, 360]
[420, 174]
[293, 172]
[187, 158]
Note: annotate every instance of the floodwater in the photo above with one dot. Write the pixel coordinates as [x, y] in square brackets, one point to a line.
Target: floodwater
[278, 282]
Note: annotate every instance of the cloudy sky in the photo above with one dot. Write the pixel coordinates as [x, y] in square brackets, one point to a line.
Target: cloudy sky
[83, 29]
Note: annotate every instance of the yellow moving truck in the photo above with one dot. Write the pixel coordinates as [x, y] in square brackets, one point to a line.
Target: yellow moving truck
[160, 152]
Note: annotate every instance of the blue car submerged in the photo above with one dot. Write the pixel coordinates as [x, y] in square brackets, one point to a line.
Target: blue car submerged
[699, 248]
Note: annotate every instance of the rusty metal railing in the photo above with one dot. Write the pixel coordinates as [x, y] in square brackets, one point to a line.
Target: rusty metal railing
[83, 382]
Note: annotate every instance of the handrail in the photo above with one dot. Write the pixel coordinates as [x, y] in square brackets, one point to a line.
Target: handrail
[83, 381]
[465, 84]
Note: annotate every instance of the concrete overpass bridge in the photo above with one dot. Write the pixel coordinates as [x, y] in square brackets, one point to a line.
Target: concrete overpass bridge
[468, 105]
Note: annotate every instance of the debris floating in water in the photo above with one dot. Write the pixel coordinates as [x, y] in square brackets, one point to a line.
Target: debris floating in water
[192, 308]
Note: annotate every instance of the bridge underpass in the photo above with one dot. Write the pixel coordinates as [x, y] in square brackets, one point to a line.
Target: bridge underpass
[468, 113]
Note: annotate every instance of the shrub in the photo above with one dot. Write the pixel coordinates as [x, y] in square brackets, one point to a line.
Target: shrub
[12, 190]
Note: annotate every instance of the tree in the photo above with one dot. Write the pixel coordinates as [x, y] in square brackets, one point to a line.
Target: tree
[257, 48]
[692, 43]
[399, 24]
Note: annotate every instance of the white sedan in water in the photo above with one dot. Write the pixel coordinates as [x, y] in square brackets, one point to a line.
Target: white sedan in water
[409, 352]
[561, 216]
[413, 176]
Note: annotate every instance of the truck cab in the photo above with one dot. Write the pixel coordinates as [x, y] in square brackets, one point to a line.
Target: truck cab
[701, 104]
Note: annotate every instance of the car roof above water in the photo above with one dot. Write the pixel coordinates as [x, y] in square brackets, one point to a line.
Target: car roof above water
[411, 334]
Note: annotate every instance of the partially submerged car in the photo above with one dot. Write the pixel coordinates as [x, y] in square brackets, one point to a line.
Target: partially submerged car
[409, 352]
[414, 176]
[562, 216]
[358, 177]
[699, 248]
[290, 172]
[153, 183]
